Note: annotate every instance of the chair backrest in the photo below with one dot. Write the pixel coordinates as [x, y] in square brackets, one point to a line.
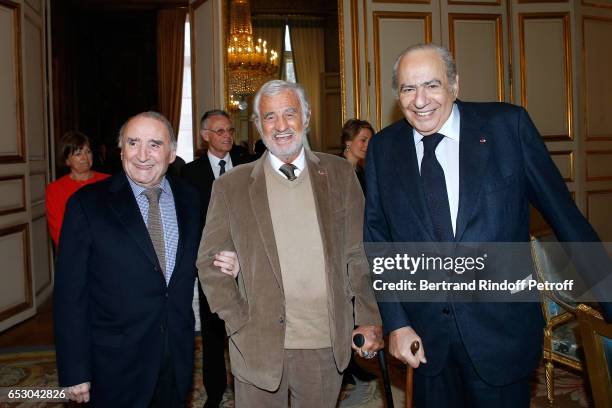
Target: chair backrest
[597, 343]
[552, 264]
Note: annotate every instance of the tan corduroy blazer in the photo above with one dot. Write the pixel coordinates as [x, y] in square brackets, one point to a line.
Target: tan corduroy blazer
[252, 305]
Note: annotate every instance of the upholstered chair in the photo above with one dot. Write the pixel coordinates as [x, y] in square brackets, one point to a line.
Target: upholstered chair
[597, 342]
[552, 264]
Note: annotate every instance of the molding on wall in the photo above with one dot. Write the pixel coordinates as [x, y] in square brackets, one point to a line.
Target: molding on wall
[27, 279]
[426, 17]
[499, 50]
[565, 18]
[19, 157]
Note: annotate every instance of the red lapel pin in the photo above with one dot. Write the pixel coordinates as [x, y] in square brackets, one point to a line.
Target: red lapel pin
[483, 140]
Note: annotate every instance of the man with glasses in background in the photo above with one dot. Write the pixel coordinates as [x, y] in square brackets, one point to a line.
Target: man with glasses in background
[217, 131]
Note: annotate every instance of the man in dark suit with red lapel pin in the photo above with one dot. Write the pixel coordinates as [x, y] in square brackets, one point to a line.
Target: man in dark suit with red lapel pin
[463, 173]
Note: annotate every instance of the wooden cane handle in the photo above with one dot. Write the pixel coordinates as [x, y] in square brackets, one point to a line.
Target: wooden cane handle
[415, 346]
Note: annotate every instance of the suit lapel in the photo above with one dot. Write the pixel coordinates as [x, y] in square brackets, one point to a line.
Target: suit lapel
[122, 202]
[319, 179]
[473, 158]
[236, 158]
[209, 175]
[404, 158]
[258, 196]
[181, 221]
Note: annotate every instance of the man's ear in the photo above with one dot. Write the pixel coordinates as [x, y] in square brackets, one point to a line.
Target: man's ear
[456, 87]
[204, 135]
[307, 122]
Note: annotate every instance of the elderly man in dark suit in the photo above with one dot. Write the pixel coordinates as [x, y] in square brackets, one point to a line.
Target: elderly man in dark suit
[217, 131]
[124, 325]
[294, 218]
[462, 172]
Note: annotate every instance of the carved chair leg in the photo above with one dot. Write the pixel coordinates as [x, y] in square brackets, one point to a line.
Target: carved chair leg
[550, 382]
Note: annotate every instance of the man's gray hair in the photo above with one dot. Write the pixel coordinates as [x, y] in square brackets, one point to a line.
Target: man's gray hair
[151, 115]
[211, 113]
[447, 58]
[275, 87]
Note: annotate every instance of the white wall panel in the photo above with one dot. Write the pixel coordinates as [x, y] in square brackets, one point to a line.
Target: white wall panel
[34, 89]
[38, 184]
[11, 107]
[476, 41]
[16, 290]
[12, 194]
[40, 251]
[388, 26]
[598, 212]
[546, 72]
[597, 44]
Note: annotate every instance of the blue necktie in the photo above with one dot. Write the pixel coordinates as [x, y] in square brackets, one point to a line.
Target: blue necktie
[434, 186]
[222, 165]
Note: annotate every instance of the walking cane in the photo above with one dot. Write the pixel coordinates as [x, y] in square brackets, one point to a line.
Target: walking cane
[414, 347]
[359, 341]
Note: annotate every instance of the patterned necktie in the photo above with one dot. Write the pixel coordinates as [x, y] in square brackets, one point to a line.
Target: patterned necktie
[155, 226]
[222, 165]
[434, 186]
[288, 170]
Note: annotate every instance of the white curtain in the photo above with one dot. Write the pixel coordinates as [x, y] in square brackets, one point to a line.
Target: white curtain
[307, 39]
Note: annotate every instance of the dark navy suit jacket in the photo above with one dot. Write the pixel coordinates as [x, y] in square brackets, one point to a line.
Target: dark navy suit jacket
[200, 174]
[504, 166]
[112, 307]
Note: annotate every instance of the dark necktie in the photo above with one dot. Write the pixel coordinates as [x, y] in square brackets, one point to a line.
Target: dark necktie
[434, 186]
[288, 170]
[155, 226]
[222, 165]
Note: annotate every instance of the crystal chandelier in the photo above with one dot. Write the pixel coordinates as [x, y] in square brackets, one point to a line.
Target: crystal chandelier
[250, 64]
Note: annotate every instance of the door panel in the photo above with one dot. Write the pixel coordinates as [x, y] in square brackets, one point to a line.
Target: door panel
[24, 160]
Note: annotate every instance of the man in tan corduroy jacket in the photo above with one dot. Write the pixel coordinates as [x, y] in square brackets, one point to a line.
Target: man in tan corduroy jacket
[294, 218]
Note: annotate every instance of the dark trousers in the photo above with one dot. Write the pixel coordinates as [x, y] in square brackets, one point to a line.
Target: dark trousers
[458, 385]
[213, 353]
[166, 394]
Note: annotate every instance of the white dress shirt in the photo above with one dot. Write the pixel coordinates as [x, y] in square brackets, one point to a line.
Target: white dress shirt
[299, 162]
[214, 163]
[168, 218]
[447, 153]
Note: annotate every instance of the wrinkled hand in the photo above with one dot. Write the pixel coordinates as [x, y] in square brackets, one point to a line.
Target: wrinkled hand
[373, 340]
[399, 346]
[79, 392]
[227, 262]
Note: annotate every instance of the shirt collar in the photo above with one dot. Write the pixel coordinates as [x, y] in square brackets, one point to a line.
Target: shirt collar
[138, 189]
[214, 160]
[450, 128]
[299, 161]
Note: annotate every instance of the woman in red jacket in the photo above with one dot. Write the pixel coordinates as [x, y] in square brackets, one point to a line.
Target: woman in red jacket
[76, 153]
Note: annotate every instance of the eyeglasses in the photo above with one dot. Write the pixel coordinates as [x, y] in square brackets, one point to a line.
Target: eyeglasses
[222, 132]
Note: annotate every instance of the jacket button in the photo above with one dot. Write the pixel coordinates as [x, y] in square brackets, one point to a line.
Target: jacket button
[446, 310]
[162, 328]
[281, 320]
[166, 295]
